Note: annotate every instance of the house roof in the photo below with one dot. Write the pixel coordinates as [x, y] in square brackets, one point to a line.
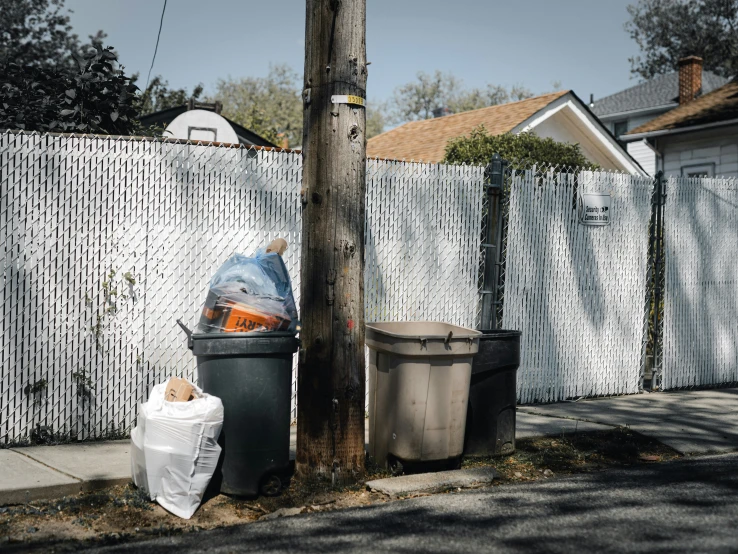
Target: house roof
[165, 117]
[718, 106]
[662, 90]
[426, 140]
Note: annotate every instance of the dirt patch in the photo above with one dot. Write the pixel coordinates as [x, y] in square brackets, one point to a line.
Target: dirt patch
[541, 457]
[123, 513]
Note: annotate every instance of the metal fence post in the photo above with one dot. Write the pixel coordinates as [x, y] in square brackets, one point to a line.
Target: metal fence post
[657, 237]
[492, 242]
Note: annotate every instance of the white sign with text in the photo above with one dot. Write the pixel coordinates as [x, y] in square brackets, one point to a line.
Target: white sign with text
[594, 209]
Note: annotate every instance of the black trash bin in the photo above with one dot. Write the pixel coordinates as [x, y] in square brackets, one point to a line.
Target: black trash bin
[490, 418]
[252, 374]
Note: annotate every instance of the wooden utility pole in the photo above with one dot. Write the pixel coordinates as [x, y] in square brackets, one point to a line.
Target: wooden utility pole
[331, 376]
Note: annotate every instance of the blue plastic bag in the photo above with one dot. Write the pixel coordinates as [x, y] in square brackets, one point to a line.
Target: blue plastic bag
[250, 294]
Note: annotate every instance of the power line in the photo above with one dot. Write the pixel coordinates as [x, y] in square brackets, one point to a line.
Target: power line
[161, 22]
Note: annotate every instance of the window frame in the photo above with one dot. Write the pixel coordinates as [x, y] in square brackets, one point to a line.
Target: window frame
[615, 128]
[709, 170]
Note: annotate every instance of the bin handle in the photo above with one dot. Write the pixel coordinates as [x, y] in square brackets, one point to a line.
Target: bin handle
[448, 338]
[187, 331]
[423, 342]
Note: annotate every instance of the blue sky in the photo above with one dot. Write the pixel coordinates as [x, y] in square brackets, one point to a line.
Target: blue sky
[533, 43]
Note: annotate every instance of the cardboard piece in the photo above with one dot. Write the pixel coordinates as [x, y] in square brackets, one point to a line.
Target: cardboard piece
[179, 390]
[278, 246]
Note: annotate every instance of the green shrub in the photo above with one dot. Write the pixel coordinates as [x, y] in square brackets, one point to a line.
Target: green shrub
[521, 150]
[97, 98]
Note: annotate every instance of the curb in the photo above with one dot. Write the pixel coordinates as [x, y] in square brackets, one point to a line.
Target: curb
[52, 492]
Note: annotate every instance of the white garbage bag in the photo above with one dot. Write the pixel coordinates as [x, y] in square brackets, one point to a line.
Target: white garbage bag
[174, 449]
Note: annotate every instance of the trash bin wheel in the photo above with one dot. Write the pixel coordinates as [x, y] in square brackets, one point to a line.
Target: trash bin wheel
[395, 466]
[455, 463]
[271, 485]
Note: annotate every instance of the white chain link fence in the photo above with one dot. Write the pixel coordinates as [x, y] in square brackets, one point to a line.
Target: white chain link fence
[577, 292]
[423, 230]
[106, 241]
[700, 343]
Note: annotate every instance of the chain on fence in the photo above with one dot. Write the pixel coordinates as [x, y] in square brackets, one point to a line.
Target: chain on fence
[107, 241]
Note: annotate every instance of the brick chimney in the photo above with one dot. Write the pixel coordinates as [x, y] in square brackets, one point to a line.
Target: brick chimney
[690, 78]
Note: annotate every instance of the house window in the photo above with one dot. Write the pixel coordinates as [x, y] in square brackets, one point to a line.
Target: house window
[702, 170]
[620, 128]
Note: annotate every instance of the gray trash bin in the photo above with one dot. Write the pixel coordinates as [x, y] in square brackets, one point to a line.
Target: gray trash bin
[252, 374]
[419, 375]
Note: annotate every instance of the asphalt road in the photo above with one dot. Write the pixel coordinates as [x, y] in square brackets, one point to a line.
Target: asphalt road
[685, 506]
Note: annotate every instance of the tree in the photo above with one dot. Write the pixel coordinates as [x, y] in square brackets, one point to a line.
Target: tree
[376, 120]
[97, 98]
[475, 98]
[37, 33]
[419, 99]
[331, 376]
[522, 150]
[158, 96]
[270, 106]
[668, 30]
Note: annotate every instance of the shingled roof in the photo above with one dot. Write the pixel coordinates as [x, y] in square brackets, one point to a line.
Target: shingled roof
[662, 90]
[426, 140]
[719, 105]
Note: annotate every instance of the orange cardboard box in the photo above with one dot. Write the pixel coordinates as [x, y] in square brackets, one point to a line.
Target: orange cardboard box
[179, 390]
[242, 319]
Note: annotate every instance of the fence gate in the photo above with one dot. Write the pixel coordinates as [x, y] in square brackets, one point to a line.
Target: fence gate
[700, 308]
[577, 292]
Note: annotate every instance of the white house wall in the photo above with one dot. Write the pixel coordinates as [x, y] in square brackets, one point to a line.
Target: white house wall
[568, 120]
[713, 146]
[560, 128]
[634, 120]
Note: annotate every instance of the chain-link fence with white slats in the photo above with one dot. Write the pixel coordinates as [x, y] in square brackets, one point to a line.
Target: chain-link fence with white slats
[106, 241]
[700, 341]
[577, 292]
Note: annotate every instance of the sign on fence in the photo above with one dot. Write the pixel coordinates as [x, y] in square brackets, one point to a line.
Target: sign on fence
[594, 209]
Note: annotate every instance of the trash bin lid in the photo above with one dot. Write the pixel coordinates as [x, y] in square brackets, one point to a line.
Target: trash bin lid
[422, 338]
[492, 334]
[247, 344]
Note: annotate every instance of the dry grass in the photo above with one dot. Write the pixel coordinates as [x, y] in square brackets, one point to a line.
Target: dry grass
[123, 513]
[576, 453]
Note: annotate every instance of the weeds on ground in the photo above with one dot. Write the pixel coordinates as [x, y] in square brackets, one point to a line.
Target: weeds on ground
[125, 513]
[575, 453]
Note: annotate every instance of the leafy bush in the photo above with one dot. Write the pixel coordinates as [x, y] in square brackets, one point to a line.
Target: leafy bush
[97, 98]
[522, 150]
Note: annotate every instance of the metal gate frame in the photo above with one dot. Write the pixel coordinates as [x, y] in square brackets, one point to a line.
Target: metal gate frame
[500, 177]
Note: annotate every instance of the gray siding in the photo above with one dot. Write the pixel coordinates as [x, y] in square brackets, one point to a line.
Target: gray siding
[714, 147]
[644, 155]
[633, 120]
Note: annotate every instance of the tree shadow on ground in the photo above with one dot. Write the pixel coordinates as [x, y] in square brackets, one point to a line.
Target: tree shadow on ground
[684, 506]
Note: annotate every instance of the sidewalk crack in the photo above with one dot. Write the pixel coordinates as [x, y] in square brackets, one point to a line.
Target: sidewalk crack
[46, 465]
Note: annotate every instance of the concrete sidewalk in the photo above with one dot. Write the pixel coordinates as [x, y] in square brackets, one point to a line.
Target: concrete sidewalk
[691, 422]
[45, 472]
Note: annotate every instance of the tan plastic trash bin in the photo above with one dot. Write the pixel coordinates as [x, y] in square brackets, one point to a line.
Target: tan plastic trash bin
[419, 375]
